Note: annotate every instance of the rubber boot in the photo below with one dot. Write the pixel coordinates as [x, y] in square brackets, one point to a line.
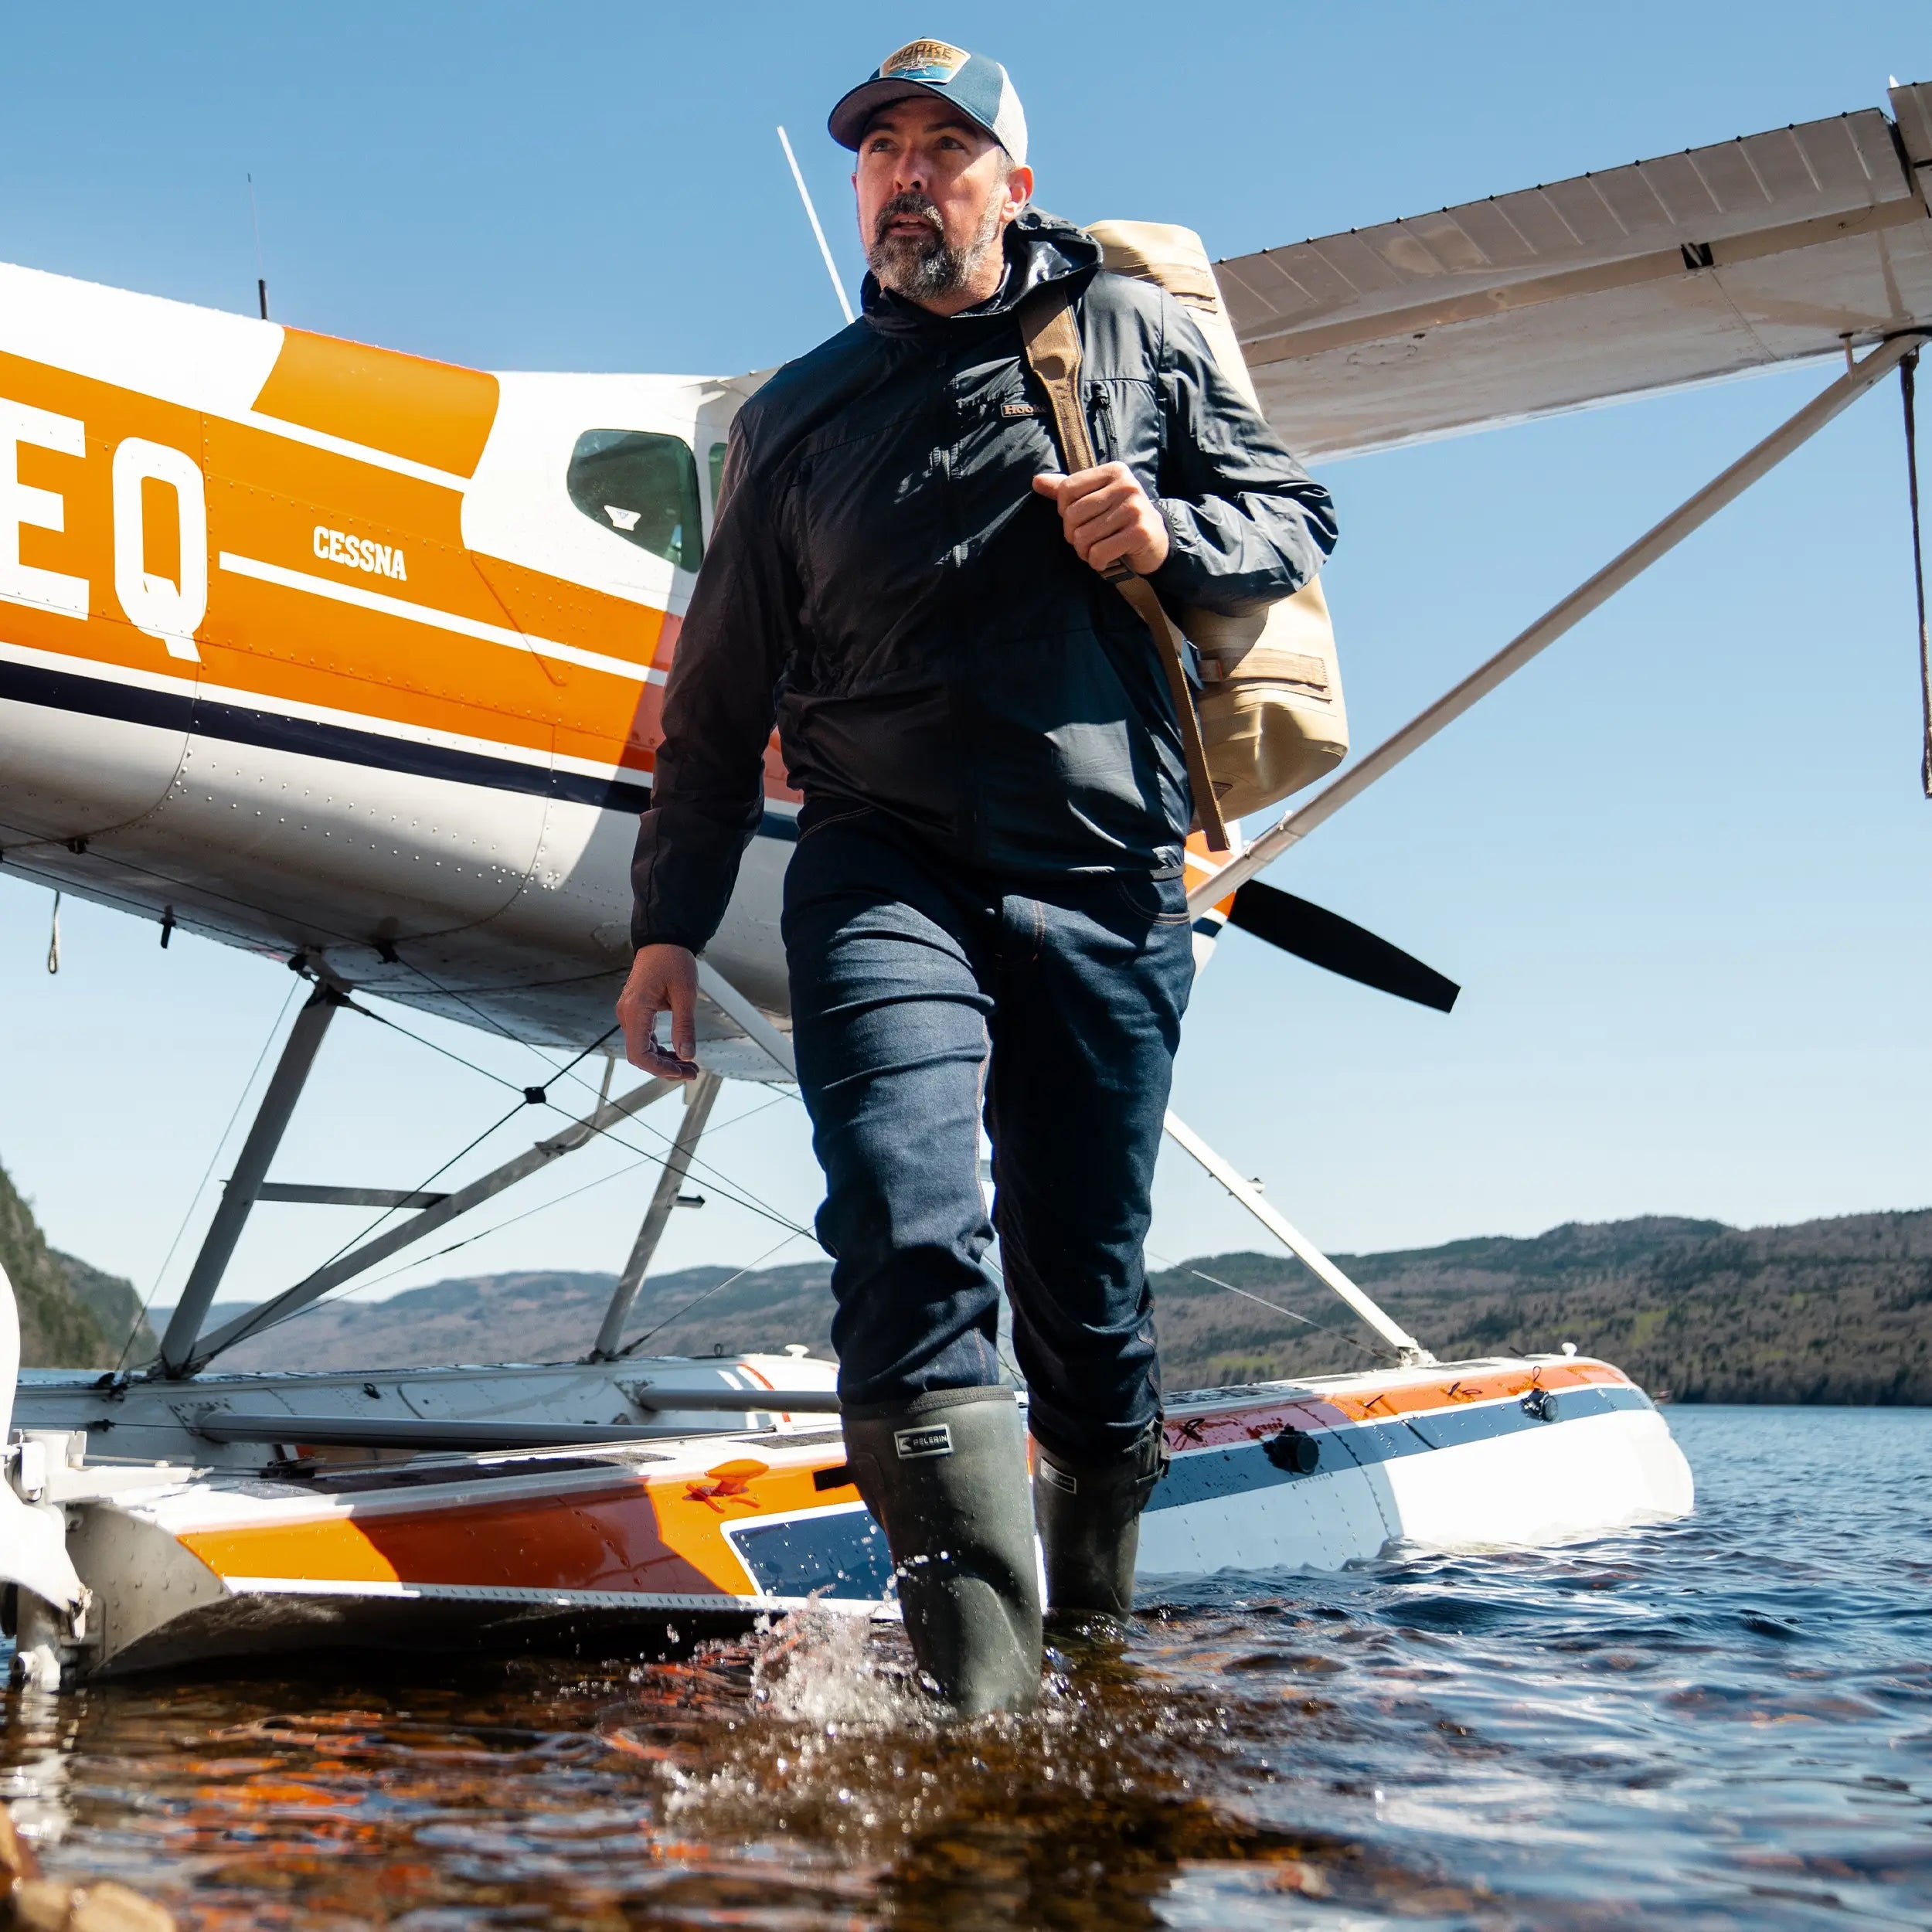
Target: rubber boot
[945, 1476]
[1089, 1525]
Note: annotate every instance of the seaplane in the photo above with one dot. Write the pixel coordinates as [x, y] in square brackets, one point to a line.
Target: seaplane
[355, 660]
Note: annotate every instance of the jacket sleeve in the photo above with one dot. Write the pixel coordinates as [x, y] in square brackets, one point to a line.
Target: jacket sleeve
[1247, 523]
[708, 790]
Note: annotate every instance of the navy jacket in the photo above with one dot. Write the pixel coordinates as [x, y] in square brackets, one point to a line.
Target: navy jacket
[884, 582]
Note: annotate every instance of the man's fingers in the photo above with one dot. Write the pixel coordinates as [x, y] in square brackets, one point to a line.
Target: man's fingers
[1103, 518]
[662, 977]
[665, 1066]
[1106, 517]
[1069, 489]
[684, 1018]
[1115, 501]
[635, 1016]
[667, 1063]
[1111, 549]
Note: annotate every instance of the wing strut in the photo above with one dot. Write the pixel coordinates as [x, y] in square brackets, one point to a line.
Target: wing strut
[245, 1185]
[1411, 1350]
[1908, 391]
[1664, 537]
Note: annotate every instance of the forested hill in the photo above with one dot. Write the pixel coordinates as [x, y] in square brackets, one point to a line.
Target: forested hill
[71, 1315]
[1837, 1310]
[1825, 1311]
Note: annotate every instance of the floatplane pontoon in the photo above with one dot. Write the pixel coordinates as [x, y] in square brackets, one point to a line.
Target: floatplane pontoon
[257, 1513]
[356, 660]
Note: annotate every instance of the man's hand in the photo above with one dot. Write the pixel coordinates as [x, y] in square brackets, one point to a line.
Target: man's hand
[663, 978]
[1107, 516]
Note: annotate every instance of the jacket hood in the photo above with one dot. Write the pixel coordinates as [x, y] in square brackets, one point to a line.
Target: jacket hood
[1040, 248]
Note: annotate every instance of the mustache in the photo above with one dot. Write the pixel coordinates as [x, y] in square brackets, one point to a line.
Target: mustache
[911, 203]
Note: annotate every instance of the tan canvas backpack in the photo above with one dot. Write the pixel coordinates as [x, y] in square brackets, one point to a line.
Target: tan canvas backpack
[1271, 718]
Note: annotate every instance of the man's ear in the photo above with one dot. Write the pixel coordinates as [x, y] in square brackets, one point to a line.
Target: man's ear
[1019, 192]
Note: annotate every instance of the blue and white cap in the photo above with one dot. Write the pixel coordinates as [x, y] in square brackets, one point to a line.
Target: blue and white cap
[979, 88]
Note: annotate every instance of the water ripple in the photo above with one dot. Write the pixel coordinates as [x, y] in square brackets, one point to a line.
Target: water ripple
[1722, 1723]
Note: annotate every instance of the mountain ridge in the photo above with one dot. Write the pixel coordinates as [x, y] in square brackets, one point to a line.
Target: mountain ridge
[1837, 1310]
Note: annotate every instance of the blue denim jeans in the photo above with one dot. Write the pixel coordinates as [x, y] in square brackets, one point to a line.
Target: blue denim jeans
[922, 997]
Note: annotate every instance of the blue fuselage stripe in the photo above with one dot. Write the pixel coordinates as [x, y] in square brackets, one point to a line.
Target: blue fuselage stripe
[239, 724]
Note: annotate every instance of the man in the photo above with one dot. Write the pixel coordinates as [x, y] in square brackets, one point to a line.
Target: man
[985, 914]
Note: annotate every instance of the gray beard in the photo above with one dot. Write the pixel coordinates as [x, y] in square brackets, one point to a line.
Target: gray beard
[923, 268]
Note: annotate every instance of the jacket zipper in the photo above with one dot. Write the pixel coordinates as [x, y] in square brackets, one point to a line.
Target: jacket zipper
[1101, 426]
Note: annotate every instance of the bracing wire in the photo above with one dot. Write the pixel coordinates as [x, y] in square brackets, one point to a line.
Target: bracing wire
[422, 1186]
[448, 1052]
[638, 1342]
[1307, 1321]
[193, 1200]
[495, 1227]
[644, 1159]
[701, 1169]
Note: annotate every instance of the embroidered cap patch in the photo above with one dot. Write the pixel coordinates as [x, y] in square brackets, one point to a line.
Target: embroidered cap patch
[923, 60]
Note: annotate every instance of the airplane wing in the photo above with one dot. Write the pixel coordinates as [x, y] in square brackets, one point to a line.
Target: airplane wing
[1755, 253]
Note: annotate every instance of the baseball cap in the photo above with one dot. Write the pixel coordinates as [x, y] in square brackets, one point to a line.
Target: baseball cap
[979, 87]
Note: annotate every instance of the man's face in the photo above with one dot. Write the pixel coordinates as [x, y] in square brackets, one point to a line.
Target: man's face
[935, 193]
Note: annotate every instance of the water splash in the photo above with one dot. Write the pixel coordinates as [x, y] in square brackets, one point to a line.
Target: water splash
[814, 1666]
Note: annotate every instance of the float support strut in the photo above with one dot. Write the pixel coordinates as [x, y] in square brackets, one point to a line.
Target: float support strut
[1385, 1324]
[699, 1099]
[244, 1185]
[380, 1247]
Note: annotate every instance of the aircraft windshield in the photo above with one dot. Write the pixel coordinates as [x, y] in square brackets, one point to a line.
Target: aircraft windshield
[643, 487]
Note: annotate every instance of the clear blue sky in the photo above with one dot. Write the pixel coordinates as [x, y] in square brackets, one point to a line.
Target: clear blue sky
[1679, 865]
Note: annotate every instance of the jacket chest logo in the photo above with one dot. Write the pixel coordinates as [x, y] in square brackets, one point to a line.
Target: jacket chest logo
[1019, 408]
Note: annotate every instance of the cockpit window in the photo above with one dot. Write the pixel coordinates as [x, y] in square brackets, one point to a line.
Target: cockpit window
[718, 451]
[643, 487]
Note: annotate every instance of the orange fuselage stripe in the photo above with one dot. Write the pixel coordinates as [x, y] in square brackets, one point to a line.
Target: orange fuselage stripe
[271, 501]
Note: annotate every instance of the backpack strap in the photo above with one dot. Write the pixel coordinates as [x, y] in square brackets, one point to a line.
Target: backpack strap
[1051, 335]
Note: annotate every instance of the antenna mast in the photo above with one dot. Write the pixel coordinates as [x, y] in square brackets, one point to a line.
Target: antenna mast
[261, 274]
[812, 215]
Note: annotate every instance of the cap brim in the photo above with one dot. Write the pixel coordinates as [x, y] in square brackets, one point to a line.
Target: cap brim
[846, 123]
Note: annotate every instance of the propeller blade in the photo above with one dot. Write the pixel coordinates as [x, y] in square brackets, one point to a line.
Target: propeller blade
[1325, 939]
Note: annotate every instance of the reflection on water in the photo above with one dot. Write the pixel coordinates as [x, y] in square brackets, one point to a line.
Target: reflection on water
[1722, 1723]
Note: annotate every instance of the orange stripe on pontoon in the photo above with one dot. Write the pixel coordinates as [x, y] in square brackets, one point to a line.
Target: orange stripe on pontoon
[607, 1540]
[1251, 1421]
[665, 1536]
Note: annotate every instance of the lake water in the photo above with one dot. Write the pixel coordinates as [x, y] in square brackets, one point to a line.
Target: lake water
[1724, 1723]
